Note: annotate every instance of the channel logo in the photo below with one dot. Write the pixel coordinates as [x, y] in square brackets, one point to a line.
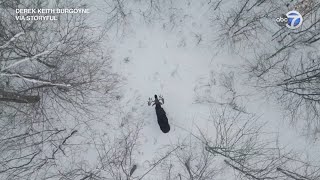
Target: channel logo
[293, 20]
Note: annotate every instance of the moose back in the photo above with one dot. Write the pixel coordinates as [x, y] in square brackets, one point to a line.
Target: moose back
[161, 114]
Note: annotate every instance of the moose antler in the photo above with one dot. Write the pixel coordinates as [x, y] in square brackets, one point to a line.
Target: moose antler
[161, 99]
[150, 101]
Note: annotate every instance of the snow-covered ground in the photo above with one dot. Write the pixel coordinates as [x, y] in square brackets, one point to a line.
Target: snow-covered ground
[222, 126]
[175, 56]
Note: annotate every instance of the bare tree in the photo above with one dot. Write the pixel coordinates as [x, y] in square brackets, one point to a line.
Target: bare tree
[239, 149]
[194, 162]
[281, 62]
[240, 141]
[113, 155]
[52, 79]
[121, 14]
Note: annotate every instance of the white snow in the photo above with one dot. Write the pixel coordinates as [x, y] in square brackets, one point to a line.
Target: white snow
[168, 59]
[175, 57]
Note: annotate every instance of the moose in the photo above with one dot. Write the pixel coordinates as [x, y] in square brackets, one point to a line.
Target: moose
[161, 114]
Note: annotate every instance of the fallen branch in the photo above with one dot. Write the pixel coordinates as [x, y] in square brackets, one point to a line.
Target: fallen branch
[25, 59]
[158, 162]
[11, 40]
[35, 80]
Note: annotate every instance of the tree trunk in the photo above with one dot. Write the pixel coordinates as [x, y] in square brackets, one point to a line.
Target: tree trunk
[17, 98]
